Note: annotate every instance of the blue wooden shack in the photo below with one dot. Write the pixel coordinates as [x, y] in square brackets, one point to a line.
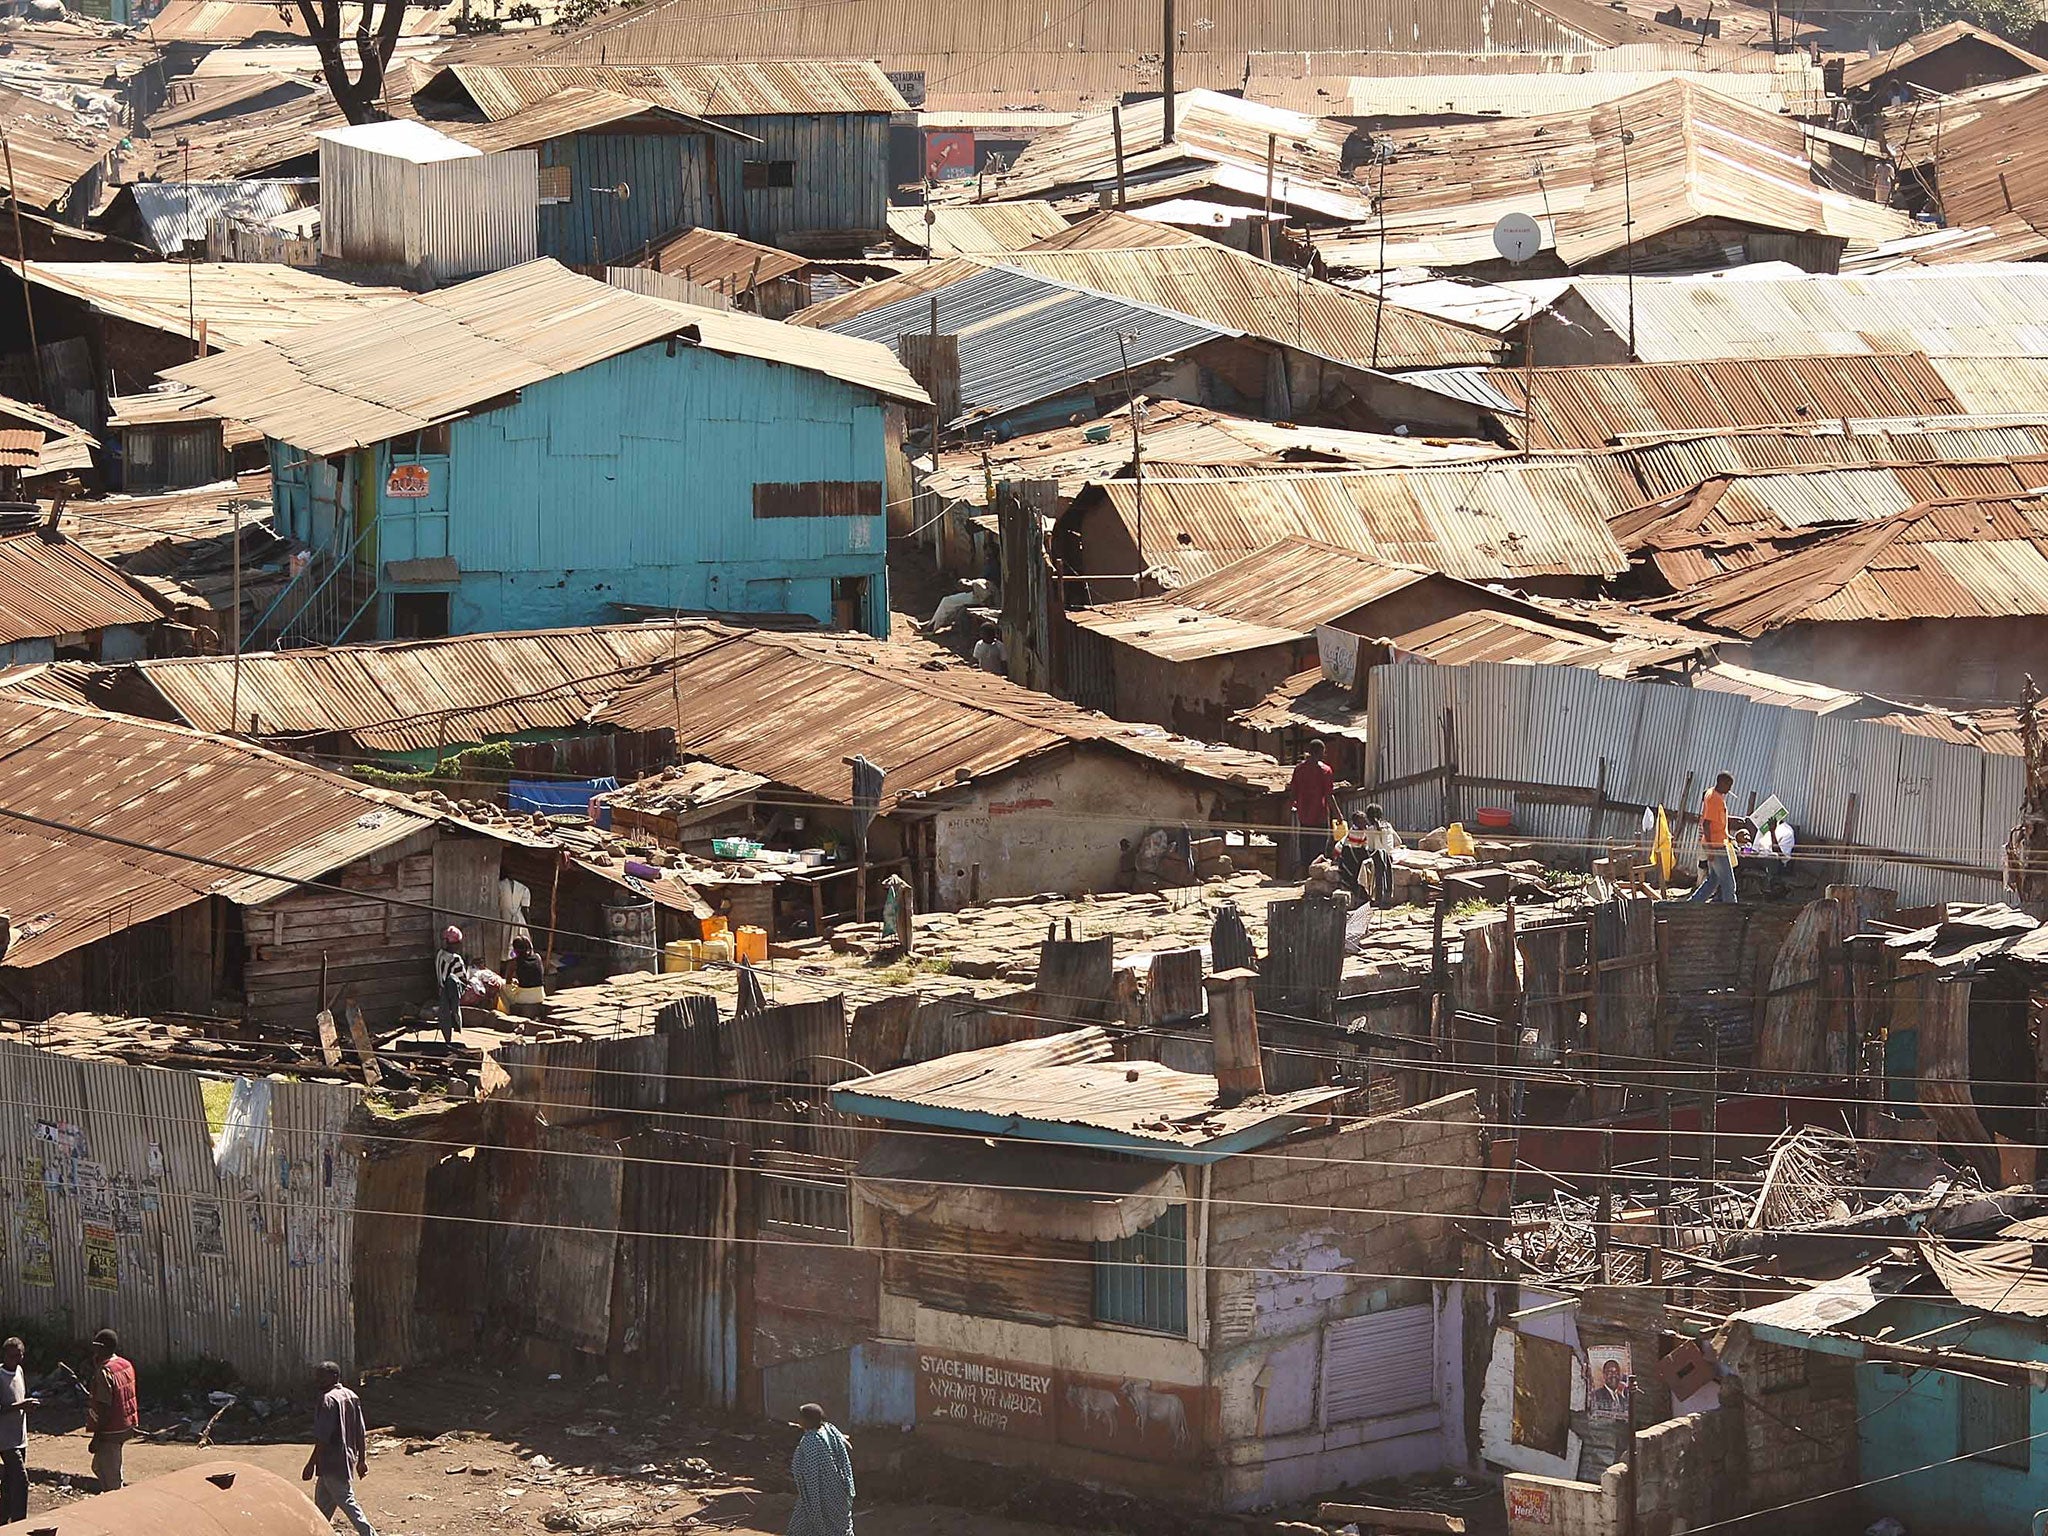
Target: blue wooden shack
[534, 449]
[784, 154]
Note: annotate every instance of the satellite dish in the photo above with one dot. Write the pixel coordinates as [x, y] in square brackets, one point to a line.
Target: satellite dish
[1517, 237]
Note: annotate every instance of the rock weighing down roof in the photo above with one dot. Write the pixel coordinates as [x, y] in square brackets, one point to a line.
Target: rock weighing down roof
[433, 357]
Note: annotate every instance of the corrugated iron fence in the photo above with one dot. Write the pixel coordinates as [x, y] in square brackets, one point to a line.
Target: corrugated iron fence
[1582, 755]
[120, 1215]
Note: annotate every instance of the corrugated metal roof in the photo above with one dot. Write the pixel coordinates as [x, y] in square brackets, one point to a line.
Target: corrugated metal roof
[1923, 45]
[237, 302]
[1017, 52]
[1994, 170]
[65, 446]
[1076, 1087]
[119, 528]
[171, 789]
[1160, 627]
[51, 588]
[1602, 404]
[53, 149]
[1023, 337]
[175, 213]
[574, 110]
[715, 259]
[1109, 230]
[975, 229]
[1965, 558]
[1295, 584]
[432, 357]
[1992, 310]
[414, 695]
[794, 707]
[1480, 522]
[1214, 135]
[232, 22]
[798, 86]
[1733, 522]
[1797, 92]
[402, 138]
[1177, 433]
[1219, 286]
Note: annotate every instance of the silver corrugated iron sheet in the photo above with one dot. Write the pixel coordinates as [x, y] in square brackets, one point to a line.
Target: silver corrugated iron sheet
[176, 213]
[235, 303]
[1550, 726]
[1026, 338]
[249, 1267]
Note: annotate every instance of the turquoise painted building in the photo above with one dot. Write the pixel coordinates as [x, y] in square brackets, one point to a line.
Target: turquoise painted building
[1951, 1400]
[535, 449]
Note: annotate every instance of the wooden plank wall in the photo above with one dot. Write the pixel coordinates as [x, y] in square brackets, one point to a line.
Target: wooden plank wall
[379, 942]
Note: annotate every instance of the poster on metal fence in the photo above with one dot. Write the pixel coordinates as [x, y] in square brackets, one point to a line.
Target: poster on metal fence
[32, 1227]
[102, 1256]
[209, 1238]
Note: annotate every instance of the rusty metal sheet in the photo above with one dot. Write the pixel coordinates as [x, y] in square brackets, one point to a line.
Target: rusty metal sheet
[53, 588]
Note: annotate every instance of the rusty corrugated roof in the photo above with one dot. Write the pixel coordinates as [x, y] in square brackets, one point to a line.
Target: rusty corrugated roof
[432, 357]
[797, 86]
[794, 707]
[1183, 435]
[1923, 45]
[718, 260]
[51, 588]
[1732, 522]
[975, 229]
[236, 303]
[414, 695]
[1019, 53]
[1967, 558]
[53, 149]
[1599, 405]
[1485, 522]
[171, 789]
[1043, 1089]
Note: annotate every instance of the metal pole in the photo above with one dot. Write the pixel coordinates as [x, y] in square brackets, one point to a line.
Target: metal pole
[1266, 224]
[28, 302]
[235, 625]
[1628, 232]
[1381, 293]
[931, 368]
[1116, 129]
[191, 297]
[1137, 458]
[1528, 379]
[1166, 50]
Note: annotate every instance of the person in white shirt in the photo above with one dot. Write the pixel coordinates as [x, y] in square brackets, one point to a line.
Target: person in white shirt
[1777, 845]
[990, 654]
[14, 1405]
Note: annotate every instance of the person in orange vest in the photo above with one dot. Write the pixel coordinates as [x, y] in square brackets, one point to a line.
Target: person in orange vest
[112, 1415]
[1717, 870]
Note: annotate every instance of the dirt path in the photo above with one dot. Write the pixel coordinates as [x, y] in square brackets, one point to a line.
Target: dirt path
[459, 1453]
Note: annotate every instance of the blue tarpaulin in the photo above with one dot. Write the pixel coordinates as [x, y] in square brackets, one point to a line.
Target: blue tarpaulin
[556, 797]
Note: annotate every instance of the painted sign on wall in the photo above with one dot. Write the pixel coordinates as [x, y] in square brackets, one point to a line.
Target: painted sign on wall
[948, 156]
[1529, 1504]
[1121, 1416]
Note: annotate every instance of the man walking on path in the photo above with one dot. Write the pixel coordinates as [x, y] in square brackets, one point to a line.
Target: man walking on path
[1310, 794]
[111, 1415]
[823, 1469]
[1717, 877]
[340, 1451]
[14, 1405]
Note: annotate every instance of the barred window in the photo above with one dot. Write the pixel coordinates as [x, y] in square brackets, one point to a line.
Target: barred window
[1141, 1281]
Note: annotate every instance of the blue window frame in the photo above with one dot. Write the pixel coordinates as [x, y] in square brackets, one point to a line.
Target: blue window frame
[1141, 1281]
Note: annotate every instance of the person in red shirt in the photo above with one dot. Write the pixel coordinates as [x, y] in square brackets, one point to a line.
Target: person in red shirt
[1717, 871]
[1311, 794]
[111, 1418]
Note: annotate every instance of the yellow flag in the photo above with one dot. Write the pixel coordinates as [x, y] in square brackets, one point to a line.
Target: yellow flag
[1660, 848]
